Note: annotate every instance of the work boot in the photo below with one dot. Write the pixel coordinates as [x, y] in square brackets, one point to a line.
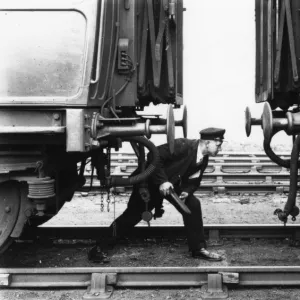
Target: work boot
[204, 254]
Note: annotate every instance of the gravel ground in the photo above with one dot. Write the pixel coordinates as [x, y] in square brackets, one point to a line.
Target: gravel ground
[157, 294]
[85, 210]
[224, 209]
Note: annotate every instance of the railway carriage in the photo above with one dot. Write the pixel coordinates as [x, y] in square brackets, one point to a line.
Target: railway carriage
[278, 84]
[76, 76]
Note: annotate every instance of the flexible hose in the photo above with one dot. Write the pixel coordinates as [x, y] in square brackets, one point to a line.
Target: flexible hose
[275, 158]
[150, 168]
[293, 177]
[290, 207]
[281, 162]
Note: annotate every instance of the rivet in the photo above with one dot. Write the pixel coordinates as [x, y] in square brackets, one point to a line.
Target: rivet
[7, 209]
[56, 117]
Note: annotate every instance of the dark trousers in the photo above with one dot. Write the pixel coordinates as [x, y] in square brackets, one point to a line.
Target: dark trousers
[136, 206]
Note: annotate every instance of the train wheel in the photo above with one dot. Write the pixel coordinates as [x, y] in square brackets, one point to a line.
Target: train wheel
[9, 211]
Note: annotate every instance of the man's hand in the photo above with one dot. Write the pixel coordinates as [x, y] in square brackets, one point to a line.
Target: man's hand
[183, 196]
[165, 188]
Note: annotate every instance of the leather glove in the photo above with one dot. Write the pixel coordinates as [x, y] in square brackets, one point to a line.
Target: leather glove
[165, 187]
[183, 196]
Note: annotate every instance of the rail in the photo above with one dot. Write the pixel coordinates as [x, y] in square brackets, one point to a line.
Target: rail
[229, 172]
[148, 276]
[100, 282]
[213, 232]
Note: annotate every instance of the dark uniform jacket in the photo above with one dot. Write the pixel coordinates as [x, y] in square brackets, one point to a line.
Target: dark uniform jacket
[179, 166]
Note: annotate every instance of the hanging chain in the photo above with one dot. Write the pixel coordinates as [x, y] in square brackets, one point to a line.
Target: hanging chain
[108, 176]
[105, 185]
[114, 223]
[102, 201]
[108, 200]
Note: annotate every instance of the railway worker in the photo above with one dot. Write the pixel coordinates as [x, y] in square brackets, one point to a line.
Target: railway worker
[181, 171]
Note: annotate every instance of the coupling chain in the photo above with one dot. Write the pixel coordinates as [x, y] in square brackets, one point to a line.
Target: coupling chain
[108, 176]
[114, 223]
[108, 200]
[102, 201]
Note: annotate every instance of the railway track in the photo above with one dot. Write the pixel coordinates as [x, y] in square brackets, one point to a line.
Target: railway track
[215, 188]
[100, 282]
[213, 281]
[232, 173]
[225, 162]
[214, 232]
[225, 174]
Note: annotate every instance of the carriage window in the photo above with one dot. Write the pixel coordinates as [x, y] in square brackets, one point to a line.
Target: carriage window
[42, 53]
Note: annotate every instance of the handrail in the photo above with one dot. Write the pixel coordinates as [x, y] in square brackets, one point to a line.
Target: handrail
[93, 81]
[32, 129]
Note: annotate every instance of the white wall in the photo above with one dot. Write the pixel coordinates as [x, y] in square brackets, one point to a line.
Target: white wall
[219, 63]
[219, 68]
